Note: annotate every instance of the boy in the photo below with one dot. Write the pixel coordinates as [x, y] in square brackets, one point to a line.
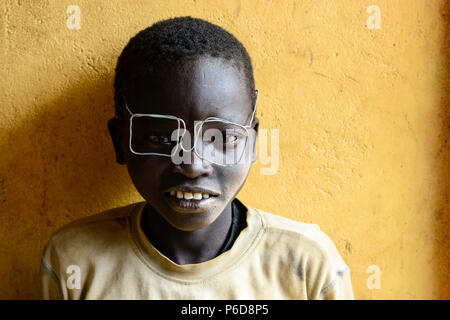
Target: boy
[185, 128]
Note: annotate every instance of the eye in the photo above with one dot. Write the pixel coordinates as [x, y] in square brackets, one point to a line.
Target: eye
[158, 139]
[231, 138]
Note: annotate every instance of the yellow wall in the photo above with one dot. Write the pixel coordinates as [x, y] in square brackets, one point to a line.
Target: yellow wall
[363, 117]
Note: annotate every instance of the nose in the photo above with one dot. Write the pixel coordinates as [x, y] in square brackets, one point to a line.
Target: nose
[193, 167]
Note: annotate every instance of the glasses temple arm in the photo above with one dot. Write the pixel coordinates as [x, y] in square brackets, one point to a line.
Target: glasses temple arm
[254, 108]
[126, 106]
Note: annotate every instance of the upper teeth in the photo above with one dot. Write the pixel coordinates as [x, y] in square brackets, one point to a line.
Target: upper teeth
[189, 195]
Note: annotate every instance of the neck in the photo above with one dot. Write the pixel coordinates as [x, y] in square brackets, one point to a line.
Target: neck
[186, 247]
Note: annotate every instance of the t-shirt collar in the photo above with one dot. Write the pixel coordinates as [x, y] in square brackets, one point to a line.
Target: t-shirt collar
[165, 267]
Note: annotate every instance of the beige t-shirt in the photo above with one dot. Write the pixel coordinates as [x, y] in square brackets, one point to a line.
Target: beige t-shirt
[108, 256]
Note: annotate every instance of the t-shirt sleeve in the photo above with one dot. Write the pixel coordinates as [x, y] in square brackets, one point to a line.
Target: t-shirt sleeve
[332, 280]
[340, 288]
[49, 286]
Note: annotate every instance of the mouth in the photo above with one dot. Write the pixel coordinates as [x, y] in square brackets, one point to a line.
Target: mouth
[190, 200]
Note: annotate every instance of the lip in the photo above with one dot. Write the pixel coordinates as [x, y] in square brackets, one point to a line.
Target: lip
[191, 189]
[190, 206]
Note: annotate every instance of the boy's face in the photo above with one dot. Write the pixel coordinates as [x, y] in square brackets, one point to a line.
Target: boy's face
[193, 91]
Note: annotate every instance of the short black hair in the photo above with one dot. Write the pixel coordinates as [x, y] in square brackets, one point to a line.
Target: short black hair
[172, 40]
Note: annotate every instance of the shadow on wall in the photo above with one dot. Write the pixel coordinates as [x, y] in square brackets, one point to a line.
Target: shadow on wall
[442, 216]
[56, 163]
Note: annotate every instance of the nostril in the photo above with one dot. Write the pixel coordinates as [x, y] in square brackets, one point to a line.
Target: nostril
[192, 170]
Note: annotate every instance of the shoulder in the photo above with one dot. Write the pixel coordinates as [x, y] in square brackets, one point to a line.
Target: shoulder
[302, 251]
[81, 246]
[296, 236]
[106, 221]
[275, 222]
[101, 230]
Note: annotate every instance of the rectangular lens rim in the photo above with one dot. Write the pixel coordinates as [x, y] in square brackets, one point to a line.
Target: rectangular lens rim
[158, 116]
[199, 133]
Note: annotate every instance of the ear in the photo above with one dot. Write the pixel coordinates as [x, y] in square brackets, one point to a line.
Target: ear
[256, 126]
[116, 132]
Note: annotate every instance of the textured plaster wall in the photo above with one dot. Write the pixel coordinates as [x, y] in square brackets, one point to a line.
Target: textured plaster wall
[363, 118]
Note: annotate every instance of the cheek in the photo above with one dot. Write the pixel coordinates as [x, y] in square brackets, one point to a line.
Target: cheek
[233, 178]
[146, 172]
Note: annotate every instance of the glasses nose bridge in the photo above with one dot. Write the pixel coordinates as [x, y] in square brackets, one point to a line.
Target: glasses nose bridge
[195, 161]
[191, 136]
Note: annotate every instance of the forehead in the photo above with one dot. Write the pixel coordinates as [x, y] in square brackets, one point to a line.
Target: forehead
[194, 90]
